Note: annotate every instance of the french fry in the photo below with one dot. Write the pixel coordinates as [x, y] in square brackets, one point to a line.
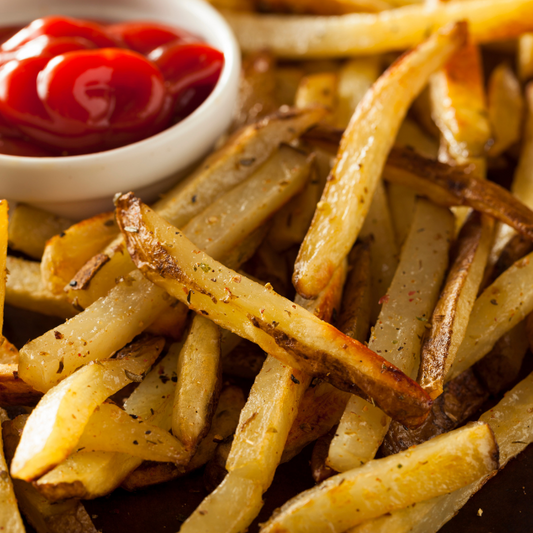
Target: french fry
[8, 353]
[94, 474]
[224, 423]
[260, 315]
[66, 253]
[97, 333]
[111, 429]
[411, 135]
[241, 157]
[45, 517]
[318, 89]
[445, 463]
[368, 34]
[14, 391]
[24, 289]
[505, 107]
[198, 386]
[498, 309]
[511, 422]
[402, 201]
[346, 199]
[356, 77]
[384, 251]
[406, 310]
[30, 228]
[55, 425]
[452, 312]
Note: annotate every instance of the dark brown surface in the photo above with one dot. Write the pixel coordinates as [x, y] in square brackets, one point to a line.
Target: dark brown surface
[506, 500]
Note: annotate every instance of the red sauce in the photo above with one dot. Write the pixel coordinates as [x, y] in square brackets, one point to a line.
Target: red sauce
[72, 86]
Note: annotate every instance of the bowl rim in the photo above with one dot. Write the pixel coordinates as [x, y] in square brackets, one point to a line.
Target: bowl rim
[199, 9]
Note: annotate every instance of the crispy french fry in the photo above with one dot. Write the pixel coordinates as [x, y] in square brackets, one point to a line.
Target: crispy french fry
[111, 429]
[260, 315]
[97, 333]
[356, 76]
[445, 463]
[94, 474]
[224, 424]
[346, 199]
[198, 386]
[45, 517]
[505, 107]
[498, 309]
[30, 228]
[452, 312]
[8, 353]
[511, 422]
[14, 391]
[318, 89]
[55, 425]
[384, 251]
[241, 157]
[368, 34]
[66, 253]
[24, 289]
[406, 309]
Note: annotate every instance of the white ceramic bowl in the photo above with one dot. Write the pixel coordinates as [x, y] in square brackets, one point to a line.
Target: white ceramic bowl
[79, 186]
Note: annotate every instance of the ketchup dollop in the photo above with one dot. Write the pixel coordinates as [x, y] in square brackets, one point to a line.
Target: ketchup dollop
[71, 86]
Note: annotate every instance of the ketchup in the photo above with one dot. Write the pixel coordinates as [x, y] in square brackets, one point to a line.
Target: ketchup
[71, 86]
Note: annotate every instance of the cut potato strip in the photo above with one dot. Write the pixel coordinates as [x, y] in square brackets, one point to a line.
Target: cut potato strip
[14, 391]
[525, 56]
[364, 147]
[368, 34]
[500, 307]
[236, 161]
[24, 289]
[511, 421]
[356, 77]
[452, 312]
[97, 333]
[45, 517]
[199, 377]
[111, 429]
[9, 355]
[506, 109]
[56, 424]
[406, 310]
[452, 186]
[411, 135]
[66, 253]
[224, 423]
[281, 328]
[30, 228]
[318, 89]
[94, 474]
[445, 463]
[378, 230]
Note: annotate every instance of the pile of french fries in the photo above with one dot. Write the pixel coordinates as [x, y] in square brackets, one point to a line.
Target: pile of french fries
[343, 249]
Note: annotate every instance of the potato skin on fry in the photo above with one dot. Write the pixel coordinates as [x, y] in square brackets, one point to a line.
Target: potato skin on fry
[282, 328]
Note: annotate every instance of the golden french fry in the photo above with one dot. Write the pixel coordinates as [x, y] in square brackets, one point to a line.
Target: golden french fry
[8, 353]
[499, 308]
[318, 89]
[452, 312]
[30, 228]
[511, 421]
[24, 289]
[346, 199]
[98, 332]
[260, 315]
[506, 108]
[368, 34]
[14, 391]
[55, 425]
[198, 384]
[445, 463]
[111, 429]
[66, 253]
[406, 309]
[525, 56]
